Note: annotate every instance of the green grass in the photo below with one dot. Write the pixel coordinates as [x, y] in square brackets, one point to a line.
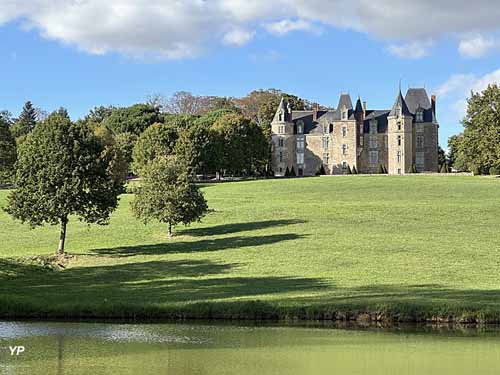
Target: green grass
[408, 248]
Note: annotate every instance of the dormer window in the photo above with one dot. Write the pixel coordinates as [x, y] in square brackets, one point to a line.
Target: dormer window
[419, 116]
[280, 116]
[300, 127]
[344, 114]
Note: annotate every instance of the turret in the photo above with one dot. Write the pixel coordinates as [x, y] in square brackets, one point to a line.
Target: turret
[400, 137]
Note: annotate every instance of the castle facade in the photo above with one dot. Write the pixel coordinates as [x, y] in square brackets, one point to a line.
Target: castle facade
[400, 139]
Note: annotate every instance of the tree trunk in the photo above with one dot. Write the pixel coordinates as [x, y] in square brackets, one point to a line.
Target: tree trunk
[170, 230]
[62, 236]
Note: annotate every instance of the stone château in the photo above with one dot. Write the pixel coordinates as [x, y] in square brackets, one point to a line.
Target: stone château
[400, 139]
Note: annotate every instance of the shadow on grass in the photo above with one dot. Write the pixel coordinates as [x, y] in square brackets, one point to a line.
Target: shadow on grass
[154, 282]
[186, 247]
[238, 227]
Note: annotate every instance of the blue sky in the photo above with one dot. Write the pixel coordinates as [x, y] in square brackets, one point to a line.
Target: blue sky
[52, 60]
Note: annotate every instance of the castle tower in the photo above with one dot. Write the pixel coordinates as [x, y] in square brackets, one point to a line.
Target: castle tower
[400, 137]
[283, 140]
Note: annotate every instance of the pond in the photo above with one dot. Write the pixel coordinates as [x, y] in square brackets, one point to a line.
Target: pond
[195, 349]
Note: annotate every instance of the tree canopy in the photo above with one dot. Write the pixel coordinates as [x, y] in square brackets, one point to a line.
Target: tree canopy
[7, 151]
[26, 121]
[167, 195]
[61, 172]
[134, 119]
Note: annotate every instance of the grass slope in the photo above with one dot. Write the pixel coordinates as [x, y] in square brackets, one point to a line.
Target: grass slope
[408, 248]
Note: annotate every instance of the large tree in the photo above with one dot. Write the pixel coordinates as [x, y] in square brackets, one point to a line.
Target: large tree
[7, 151]
[26, 121]
[167, 195]
[61, 172]
[480, 142]
[134, 119]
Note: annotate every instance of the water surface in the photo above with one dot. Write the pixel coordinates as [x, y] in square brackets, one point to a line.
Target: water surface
[195, 349]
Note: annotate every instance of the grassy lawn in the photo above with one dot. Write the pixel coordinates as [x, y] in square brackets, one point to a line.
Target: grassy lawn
[412, 247]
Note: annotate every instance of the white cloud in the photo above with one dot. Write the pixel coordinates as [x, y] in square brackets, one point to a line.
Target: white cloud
[238, 37]
[475, 46]
[285, 26]
[411, 50]
[458, 87]
[176, 29]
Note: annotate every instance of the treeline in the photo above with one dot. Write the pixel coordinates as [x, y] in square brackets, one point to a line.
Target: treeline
[211, 136]
[477, 148]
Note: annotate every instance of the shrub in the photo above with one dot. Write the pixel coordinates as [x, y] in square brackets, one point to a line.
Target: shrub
[476, 171]
[321, 171]
[494, 171]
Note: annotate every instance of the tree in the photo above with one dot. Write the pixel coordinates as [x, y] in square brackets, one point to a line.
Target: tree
[240, 145]
[444, 168]
[157, 140]
[456, 157]
[26, 121]
[134, 119]
[126, 143]
[441, 156]
[480, 143]
[7, 151]
[167, 195]
[60, 172]
[194, 148]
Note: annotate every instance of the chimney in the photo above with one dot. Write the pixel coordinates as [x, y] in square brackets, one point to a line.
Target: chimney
[433, 104]
[364, 109]
[315, 111]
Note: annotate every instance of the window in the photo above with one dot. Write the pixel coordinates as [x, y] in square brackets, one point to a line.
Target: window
[420, 116]
[344, 165]
[399, 156]
[399, 170]
[280, 117]
[300, 158]
[326, 143]
[300, 127]
[281, 142]
[331, 128]
[344, 115]
[373, 142]
[420, 141]
[300, 144]
[344, 131]
[373, 127]
[344, 149]
[399, 140]
[399, 125]
[326, 158]
[281, 170]
[419, 161]
[281, 129]
[281, 157]
[373, 156]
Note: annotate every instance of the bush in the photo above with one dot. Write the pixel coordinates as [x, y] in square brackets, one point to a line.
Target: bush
[476, 171]
[292, 172]
[494, 171]
[414, 168]
[321, 171]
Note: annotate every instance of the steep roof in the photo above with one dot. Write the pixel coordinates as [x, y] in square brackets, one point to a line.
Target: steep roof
[400, 103]
[281, 108]
[417, 98]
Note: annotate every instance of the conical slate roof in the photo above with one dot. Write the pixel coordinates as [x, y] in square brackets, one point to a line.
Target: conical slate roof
[281, 108]
[400, 103]
[359, 106]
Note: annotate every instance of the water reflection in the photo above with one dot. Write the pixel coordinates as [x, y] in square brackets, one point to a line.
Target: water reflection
[199, 349]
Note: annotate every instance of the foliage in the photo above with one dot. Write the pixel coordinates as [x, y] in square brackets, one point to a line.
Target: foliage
[60, 172]
[167, 195]
[441, 156]
[480, 142]
[240, 145]
[134, 119]
[157, 140]
[126, 143]
[456, 157]
[444, 168]
[495, 171]
[98, 115]
[195, 148]
[321, 170]
[7, 152]
[26, 121]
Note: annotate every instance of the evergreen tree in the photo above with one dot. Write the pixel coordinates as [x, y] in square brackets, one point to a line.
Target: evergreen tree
[7, 152]
[167, 195]
[354, 170]
[292, 172]
[26, 121]
[61, 172]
